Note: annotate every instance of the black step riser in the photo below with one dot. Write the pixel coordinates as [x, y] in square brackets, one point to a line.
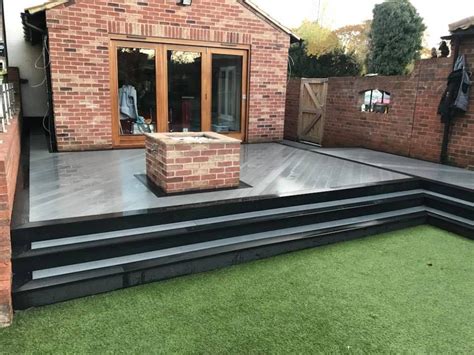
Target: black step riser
[455, 208]
[38, 231]
[110, 248]
[44, 296]
[449, 190]
[451, 226]
[19, 249]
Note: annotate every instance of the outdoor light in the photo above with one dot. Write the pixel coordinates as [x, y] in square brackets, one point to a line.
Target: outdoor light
[185, 2]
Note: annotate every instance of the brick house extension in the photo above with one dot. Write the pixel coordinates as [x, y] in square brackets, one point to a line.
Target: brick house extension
[215, 65]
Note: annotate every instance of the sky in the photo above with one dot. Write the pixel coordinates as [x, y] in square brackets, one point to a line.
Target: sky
[337, 13]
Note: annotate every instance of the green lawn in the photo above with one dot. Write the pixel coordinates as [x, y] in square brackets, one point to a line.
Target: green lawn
[406, 291]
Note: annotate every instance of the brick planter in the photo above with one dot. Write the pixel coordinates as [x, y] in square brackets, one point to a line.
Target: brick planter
[179, 162]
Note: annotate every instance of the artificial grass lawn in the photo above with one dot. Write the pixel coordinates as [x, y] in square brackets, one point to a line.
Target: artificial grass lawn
[405, 291]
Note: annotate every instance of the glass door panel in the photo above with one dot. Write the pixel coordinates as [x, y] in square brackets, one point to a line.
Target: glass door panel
[226, 93]
[136, 90]
[184, 90]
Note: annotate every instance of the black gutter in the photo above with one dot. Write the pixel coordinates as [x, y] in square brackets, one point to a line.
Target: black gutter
[53, 144]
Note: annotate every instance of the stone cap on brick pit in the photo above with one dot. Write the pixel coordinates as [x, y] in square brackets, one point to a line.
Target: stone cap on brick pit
[176, 138]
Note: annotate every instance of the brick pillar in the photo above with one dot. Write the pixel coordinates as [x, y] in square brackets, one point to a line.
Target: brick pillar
[178, 166]
[292, 109]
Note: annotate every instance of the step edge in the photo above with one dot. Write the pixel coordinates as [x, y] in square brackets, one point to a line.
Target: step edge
[124, 238]
[203, 224]
[127, 267]
[414, 183]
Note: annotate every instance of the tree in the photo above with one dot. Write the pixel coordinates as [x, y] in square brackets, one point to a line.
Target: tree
[318, 40]
[335, 63]
[355, 39]
[395, 37]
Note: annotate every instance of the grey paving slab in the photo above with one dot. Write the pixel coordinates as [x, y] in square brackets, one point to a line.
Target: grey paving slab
[432, 171]
[64, 185]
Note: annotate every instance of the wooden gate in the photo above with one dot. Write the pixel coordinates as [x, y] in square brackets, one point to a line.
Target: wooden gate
[312, 109]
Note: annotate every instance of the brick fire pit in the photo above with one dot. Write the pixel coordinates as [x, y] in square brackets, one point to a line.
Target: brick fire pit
[179, 162]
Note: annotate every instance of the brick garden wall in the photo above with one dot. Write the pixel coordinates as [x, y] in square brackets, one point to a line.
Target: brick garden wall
[461, 144]
[292, 108]
[411, 128]
[79, 42]
[9, 161]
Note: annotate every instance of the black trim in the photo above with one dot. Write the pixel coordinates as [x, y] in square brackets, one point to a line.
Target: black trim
[53, 144]
[450, 225]
[38, 259]
[60, 228]
[457, 208]
[460, 33]
[62, 288]
[459, 192]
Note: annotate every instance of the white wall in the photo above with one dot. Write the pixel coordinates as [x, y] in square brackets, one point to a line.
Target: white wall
[23, 55]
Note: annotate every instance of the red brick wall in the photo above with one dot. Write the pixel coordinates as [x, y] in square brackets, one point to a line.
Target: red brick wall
[346, 125]
[293, 91]
[411, 128]
[427, 134]
[461, 144]
[9, 161]
[79, 40]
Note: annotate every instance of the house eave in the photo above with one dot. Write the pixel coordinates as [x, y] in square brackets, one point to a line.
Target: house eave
[461, 28]
[460, 34]
[45, 6]
[463, 24]
[254, 8]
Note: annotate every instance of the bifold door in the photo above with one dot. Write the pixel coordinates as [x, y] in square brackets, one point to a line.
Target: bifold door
[159, 87]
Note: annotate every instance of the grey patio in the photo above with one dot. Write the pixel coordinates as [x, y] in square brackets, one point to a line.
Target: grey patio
[409, 166]
[64, 185]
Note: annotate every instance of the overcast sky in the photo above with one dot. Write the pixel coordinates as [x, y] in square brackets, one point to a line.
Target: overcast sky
[337, 13]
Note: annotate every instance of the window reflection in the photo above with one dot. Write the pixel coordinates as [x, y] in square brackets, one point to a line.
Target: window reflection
[226, 92]
[375, 101]
[137, 90]
[184, 91]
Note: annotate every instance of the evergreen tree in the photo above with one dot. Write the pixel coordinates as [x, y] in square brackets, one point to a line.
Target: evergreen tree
[395, 37]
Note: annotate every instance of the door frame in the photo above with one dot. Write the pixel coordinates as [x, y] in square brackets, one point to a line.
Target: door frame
[161, 47]
[204, 83]
[245, 89]
[130, 141]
